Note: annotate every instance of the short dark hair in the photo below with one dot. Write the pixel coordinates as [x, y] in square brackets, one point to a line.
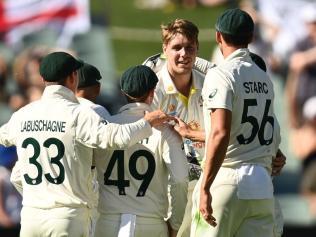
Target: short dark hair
[238, 40]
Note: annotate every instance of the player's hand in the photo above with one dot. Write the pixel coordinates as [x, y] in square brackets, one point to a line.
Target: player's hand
[157, 118]
[181, 127]
[206, 207]
[278, 163]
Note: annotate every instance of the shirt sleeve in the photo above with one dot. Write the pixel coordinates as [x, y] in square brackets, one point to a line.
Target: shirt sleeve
[100, 110]
[95, 132]
[176, 163]
[7, 132]
[217, 91]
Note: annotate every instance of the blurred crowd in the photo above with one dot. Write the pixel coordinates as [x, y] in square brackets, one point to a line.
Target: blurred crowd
[285, 38]
[27, 34]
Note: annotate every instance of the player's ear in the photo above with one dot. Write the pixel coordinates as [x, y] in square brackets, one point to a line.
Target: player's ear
[218, 37]
[164, 47]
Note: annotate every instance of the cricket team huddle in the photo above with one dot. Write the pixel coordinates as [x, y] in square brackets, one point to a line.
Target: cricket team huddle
[192, 153]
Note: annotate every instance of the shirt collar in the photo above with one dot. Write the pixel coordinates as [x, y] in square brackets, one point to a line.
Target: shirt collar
[135, 108]
[169, 86]
[58, 91]
[239, 53]
[84, 101]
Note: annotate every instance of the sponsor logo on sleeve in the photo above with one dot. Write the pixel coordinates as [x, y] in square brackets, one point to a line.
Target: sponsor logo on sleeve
[212, 94]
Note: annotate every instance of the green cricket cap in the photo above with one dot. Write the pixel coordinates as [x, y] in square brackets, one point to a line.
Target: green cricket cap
[88, 75]
[138, 80]
[58, 65]
[235, 22]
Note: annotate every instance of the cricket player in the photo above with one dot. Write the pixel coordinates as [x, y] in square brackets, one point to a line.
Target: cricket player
[54, 137]
[178, 93]
[169, 98]
[133, 181]
[87, 92]
[234, 196]
[89, 89]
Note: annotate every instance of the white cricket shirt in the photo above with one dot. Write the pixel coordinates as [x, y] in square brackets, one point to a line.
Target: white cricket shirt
[237, 84]
[189, 109]
[134, 180]
[54, 137]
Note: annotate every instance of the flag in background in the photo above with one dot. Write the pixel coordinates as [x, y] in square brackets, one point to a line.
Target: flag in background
[21, 17]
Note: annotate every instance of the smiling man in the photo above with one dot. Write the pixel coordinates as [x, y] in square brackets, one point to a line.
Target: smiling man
[178, 92]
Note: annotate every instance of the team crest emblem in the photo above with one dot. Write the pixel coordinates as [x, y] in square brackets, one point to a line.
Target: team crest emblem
[170, 88]
[212, 94]
[171, 108]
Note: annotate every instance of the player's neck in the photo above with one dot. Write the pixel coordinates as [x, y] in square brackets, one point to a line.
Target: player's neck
[183, 83]
[228, 50]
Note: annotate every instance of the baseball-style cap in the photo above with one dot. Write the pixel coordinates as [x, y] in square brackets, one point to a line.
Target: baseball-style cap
[235, 22]
[138, 80]
[58, 65]
[88, 75]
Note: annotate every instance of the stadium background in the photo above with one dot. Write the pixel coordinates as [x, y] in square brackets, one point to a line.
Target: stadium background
[135, 35]
[130, 34]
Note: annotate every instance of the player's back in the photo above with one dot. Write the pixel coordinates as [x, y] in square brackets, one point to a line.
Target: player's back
[135, 180]
[250, 98]
[49, 154]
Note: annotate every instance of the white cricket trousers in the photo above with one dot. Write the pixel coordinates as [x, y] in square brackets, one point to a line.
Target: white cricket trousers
[55, 222]
[235, 217]
[109, 226]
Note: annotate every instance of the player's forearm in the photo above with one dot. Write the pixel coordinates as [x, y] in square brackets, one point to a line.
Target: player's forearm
[197, 136]
[121, 136]
[215, 154]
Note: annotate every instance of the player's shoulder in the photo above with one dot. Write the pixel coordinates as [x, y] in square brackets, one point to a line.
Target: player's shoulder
[155, 62]
[28, 108]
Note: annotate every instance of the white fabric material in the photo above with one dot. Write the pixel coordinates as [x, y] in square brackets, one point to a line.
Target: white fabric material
[309, 108]
[250, 99]
[254, 182]
[127, 226]
[161, 152]
[100, 110]
[171, 101]
[40, 147]
[66, 17]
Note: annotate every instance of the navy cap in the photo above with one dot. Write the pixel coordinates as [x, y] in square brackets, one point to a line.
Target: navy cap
[88, 75]
[235, 22]
[58, 65]
[138, 80]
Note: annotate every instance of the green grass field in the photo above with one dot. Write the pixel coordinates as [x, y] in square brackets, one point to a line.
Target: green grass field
[130, 51]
